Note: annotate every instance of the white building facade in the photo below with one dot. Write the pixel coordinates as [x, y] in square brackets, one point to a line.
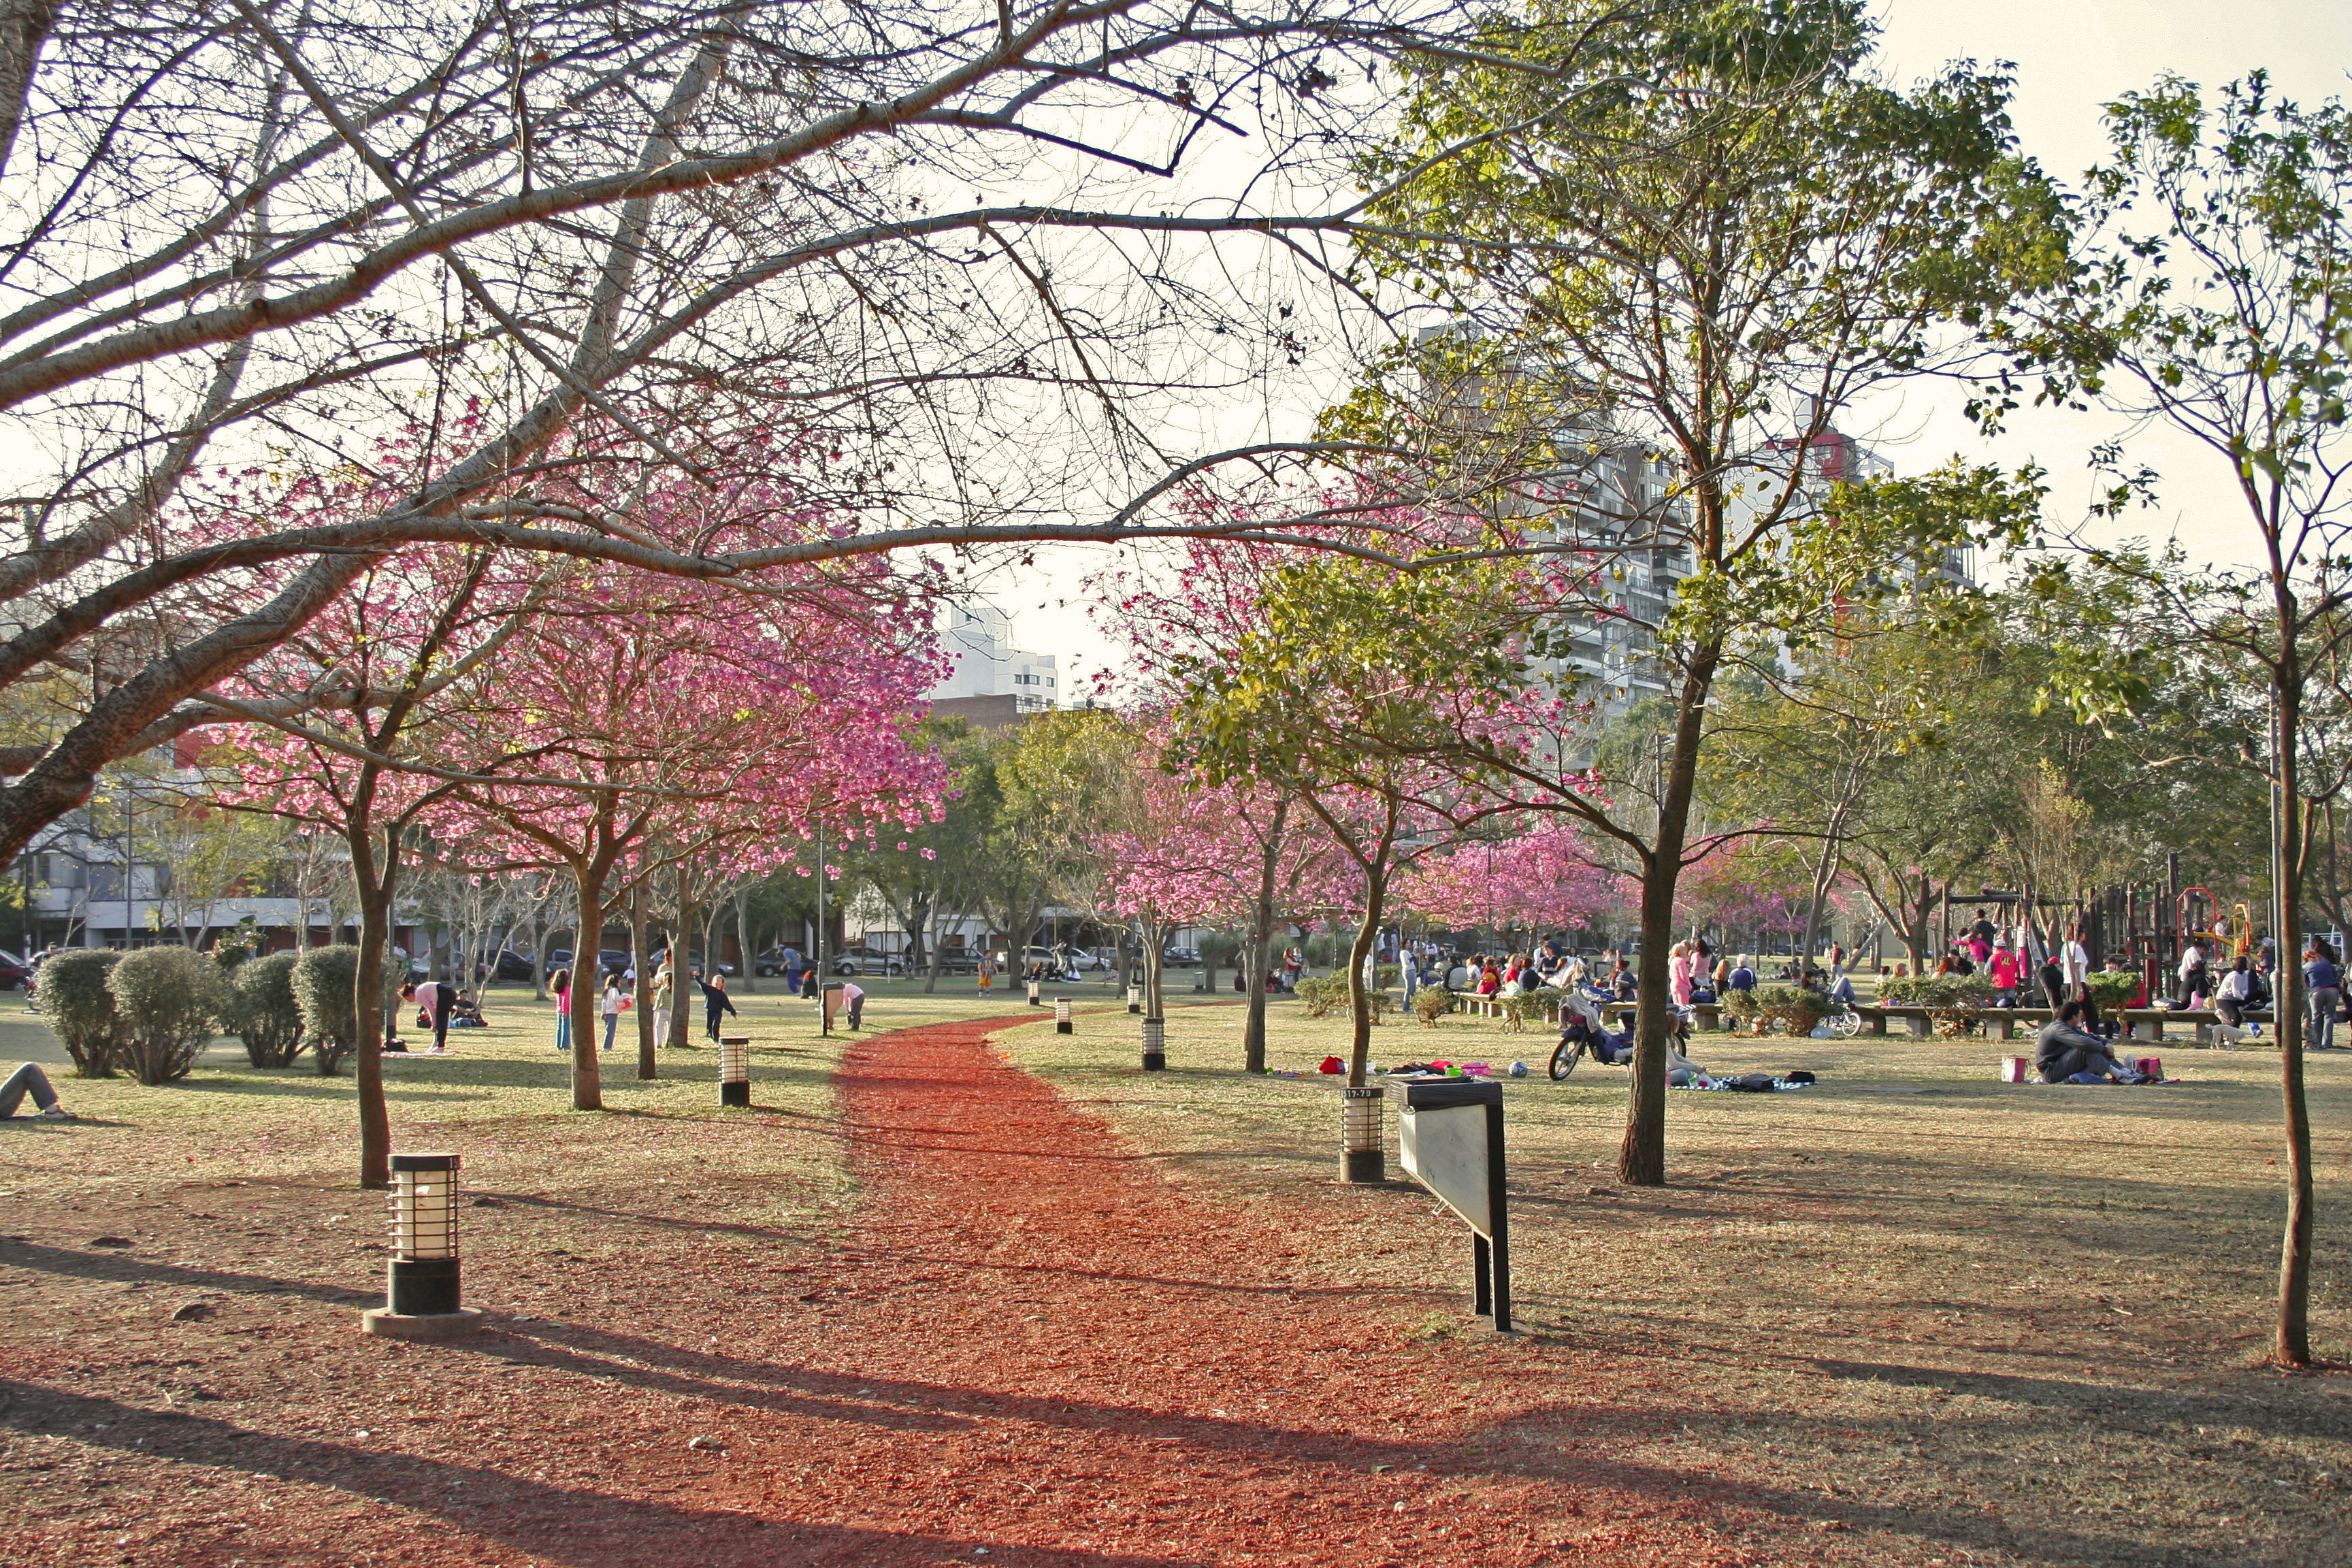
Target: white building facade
[979, 637]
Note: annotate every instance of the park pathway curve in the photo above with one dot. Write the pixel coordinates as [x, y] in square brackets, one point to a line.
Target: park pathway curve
[1122, 1371]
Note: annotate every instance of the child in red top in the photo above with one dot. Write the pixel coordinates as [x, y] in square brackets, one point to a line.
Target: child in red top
[2007, 970]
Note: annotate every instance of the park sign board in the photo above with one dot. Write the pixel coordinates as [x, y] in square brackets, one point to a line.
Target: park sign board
[1450, 1139]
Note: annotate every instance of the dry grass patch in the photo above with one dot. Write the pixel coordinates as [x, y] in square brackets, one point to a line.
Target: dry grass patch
[1991, 1322]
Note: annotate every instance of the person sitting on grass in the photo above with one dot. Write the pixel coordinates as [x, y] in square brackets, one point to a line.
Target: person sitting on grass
[468, 1013]
[2065, 1052]
[28, 1079]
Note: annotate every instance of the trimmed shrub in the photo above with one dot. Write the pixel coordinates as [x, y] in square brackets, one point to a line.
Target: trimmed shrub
[322, 980]
[170, 1001]
[1219, 949]
[1741, 1009]
[1328, 994]
[1431, 1002]
[1794, 1008]
[1323, 995]
[2111, 990]
[264, 1016]
[1952, 1000]
[1529, 1008]
[80, 1009]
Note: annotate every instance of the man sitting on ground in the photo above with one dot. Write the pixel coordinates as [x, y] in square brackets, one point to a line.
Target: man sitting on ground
[2065, 1050]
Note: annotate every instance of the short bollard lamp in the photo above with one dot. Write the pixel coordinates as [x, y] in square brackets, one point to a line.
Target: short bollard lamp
[421, 1279]
[1034, 1001]
[735, 1069]
[1155, 1045]
[1135, 998]
[1061, 1015]
[1359, 1133]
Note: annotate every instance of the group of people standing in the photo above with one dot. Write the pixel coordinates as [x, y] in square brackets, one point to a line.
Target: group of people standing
[620, 996]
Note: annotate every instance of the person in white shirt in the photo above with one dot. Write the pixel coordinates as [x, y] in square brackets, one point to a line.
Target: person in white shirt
[2193, 980]
[613, 997]
[2236, 994]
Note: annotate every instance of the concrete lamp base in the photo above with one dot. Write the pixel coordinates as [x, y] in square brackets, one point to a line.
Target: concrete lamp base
[385, 1323]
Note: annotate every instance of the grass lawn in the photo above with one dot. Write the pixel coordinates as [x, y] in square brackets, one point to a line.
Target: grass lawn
[2026, 1321]
[1912, 1288]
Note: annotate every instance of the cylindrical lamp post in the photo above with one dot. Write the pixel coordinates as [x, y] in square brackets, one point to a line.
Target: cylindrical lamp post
[1061, 1015]
[1155, 1045]
[1034, 1000]
[734, 1070]
[1135, 998]
[1359, 1133]
[421, 1279]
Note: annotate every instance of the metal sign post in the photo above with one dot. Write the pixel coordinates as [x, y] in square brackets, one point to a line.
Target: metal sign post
[1450, 1139]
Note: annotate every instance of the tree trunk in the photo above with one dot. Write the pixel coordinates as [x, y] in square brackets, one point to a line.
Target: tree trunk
[1368, 934]
[24, 26]
[750, 975]
[648, 1065]
[587, 987]
[682, 994]
[1824, 871]
[375, 885]
[1259, 963]
[2291, 848]
[1641, 1160]
[1154, 998]
[918, 919]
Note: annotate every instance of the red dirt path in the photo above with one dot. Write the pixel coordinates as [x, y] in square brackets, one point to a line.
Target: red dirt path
[1031, 1349]
[1138, 1374]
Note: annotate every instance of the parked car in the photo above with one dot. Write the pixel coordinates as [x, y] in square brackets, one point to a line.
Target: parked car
[13, 973]
[868, 961]
[513, 965]
[1179, 957]
[959, 961]
[771, 961]
[694, 962]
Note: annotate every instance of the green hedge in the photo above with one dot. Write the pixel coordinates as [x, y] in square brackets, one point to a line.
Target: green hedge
[323, 981]
[80, 1009]
[171, 1000]
[266, 1016]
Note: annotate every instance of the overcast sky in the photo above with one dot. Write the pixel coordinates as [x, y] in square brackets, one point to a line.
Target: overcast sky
[2071, 56]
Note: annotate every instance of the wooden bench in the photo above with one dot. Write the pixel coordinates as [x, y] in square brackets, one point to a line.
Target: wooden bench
[1704, 1015]
[2143, 1024]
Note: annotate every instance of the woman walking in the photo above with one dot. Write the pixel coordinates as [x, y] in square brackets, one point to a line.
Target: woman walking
[559, 983]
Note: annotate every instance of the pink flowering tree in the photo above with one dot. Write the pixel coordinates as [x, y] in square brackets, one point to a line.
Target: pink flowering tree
[339, 731]
[1240, 852]
[1545, 875]
[435, 707]
[657, 719]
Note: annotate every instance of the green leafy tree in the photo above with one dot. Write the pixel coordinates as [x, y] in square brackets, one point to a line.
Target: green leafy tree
[1687, 266]
[2213, 302]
